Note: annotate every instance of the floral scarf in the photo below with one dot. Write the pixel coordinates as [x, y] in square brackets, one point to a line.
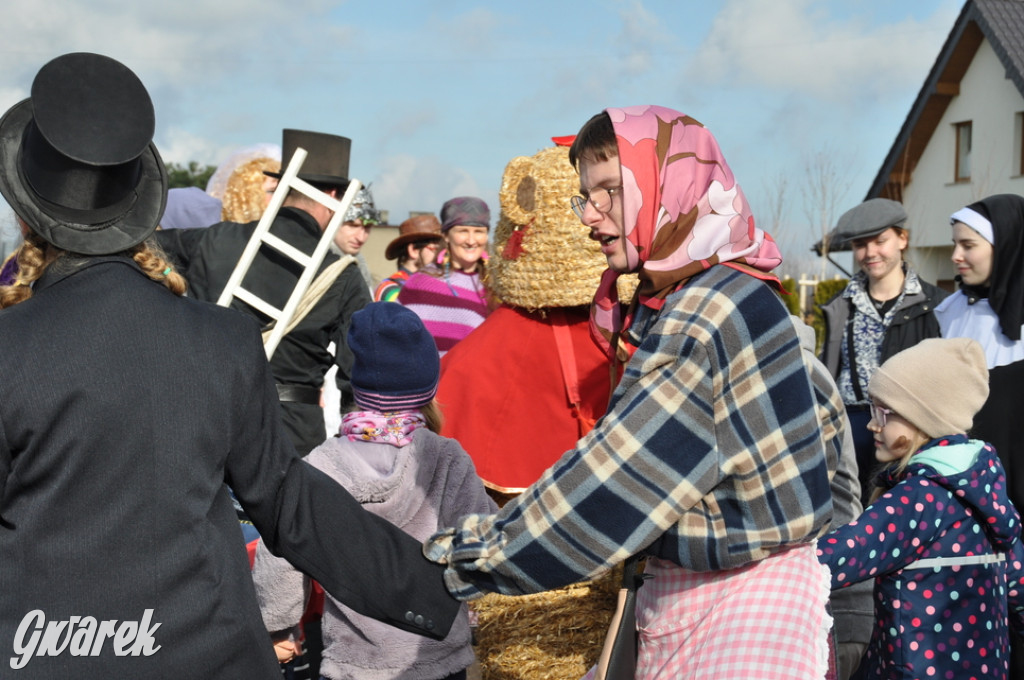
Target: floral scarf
[683, 212]
[386, 428]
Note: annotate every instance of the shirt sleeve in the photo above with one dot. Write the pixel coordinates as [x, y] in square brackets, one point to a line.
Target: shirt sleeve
[710, 455]
[611, 496]
[387, 291]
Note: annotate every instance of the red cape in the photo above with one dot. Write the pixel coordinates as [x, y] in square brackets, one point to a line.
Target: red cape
[505, 395]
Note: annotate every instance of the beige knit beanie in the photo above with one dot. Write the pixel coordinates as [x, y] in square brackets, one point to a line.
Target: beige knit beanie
[937, 385]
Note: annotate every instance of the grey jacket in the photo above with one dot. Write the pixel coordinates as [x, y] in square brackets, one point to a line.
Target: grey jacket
[421, 487]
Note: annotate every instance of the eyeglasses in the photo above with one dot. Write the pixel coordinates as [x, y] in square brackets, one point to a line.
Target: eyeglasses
[599, 197]
[879, 414]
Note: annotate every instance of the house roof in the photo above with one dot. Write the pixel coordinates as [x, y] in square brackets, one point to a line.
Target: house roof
[1001, 22]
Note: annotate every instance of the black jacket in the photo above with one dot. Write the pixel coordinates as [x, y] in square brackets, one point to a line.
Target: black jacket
[125, 410]
[913, 322]
[207, 258]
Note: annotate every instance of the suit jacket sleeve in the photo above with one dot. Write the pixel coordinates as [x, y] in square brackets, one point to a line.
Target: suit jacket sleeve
[306, 517]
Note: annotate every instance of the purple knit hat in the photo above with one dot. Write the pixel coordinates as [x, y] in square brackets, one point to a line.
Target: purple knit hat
[465, 211]
[396, 365]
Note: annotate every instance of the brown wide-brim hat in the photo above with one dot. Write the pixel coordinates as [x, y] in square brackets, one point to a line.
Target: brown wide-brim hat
[417, 228]
[326, 156]
[77, 162]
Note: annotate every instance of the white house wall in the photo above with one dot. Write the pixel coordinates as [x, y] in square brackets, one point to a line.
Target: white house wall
[990, 101]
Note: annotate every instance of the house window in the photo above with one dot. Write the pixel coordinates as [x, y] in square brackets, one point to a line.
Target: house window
[963, 152]
[1018, 142]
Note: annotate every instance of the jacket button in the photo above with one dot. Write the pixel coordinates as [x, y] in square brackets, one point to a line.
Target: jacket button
[419, 620]
[430, 624]
[409, 616]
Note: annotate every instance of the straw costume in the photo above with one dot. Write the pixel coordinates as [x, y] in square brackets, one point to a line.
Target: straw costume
[544, 270]
[553, 380]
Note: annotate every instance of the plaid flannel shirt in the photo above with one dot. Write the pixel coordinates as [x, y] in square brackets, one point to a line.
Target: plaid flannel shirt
[711, 455]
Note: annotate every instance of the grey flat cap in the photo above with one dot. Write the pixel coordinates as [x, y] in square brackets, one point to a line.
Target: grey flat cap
[870, 218]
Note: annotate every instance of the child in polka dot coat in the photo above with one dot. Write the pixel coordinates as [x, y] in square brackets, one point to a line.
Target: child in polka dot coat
[936, 535]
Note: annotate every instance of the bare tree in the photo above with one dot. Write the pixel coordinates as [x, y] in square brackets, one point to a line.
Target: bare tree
[825, 189]
[791, 238]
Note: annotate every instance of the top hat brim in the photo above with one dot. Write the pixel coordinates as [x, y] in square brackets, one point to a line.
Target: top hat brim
[119, 233]
[396, 247]
[330, 180]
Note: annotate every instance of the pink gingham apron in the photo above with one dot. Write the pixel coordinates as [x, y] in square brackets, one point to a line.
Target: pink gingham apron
[764, 621]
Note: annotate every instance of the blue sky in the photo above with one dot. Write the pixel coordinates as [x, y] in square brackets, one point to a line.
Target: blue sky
[439, 96]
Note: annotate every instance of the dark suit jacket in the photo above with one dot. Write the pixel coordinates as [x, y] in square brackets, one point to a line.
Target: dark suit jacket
[125, 410]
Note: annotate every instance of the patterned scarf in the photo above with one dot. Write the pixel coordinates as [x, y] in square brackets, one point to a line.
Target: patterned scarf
[683, 212]
[394, 428]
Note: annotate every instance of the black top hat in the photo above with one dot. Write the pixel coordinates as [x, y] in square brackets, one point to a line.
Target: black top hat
[326, 156]
[77, 162]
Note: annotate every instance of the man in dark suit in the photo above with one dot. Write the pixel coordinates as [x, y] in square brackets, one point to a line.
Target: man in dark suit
[208, 256]
[126, 409]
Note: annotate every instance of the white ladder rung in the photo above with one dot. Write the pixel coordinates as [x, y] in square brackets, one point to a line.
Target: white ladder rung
[259, 303]
[289, 251]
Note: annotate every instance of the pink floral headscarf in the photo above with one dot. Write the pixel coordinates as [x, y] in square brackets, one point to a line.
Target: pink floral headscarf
[683, 212]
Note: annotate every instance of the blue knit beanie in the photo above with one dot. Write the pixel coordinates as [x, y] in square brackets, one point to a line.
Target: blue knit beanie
[396, 365]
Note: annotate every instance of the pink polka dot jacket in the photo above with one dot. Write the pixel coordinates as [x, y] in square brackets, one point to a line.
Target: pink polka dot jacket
[936, 544]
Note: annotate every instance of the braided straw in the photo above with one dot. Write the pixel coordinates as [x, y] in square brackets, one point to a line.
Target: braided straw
[559, 266]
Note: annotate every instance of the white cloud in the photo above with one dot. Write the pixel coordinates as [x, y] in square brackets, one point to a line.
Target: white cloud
[471, 33]
[9, 96]
[797, 45]
[177, 145]
[406, 183]
[642, 33]
[405, 120]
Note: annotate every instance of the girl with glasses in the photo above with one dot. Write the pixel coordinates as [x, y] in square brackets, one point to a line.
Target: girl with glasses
[941, 535]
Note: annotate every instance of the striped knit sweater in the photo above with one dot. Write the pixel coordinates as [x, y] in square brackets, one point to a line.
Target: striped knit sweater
[450, 306]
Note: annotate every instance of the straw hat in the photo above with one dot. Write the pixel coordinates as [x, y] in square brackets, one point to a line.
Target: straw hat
[543, 256]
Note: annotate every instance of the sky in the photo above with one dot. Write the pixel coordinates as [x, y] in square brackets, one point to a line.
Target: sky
[438, 96]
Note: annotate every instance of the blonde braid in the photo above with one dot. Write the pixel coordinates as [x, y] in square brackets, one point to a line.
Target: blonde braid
[34, 255]
[154, 264]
